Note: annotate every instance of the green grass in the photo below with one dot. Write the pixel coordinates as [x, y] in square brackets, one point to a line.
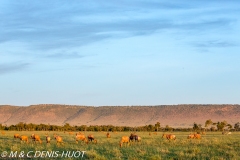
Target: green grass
[213, 146]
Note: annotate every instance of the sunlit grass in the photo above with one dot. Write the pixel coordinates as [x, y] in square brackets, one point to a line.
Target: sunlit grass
[214, 145]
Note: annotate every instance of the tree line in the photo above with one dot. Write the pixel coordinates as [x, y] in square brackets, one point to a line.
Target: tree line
[217, 126]
[209, 126]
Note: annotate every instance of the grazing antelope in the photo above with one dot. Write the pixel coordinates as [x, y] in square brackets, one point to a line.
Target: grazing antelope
[190, 136]
[48, 138]
[108, 135]
[169, 136]
[24, 139]
[81, 137]
[71, 133]
[36, 138]
[134, 137]
[16, 135]
[124, 139]
[194, 136]
[226, 132]
[58, 139]
[91, 138]
[197, 136]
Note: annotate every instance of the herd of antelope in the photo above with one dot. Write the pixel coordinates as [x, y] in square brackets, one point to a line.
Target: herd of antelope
[79, 136]
[134, 137]
[59, 140]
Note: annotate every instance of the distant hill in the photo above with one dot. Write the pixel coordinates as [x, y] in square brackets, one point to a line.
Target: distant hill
[172, 115]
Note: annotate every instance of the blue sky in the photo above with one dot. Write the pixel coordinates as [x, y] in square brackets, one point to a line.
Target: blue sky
[119, 52]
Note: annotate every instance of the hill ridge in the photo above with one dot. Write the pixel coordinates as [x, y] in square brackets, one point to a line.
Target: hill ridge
[182, 115]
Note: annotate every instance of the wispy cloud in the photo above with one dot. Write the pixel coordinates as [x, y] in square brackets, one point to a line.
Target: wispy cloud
[40, 22]
[12, 67]
[215, 44]
[72, 24]
[79, 35]
[65, 56]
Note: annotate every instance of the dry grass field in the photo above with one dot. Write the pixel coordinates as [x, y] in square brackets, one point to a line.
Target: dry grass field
[212, 146]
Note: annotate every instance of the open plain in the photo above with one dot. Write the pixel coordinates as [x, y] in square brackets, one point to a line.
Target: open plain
[213, 145]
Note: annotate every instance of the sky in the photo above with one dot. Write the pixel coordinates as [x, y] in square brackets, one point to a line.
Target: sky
[128, 52]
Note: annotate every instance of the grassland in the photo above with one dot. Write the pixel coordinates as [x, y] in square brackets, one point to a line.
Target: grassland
[213, 146]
